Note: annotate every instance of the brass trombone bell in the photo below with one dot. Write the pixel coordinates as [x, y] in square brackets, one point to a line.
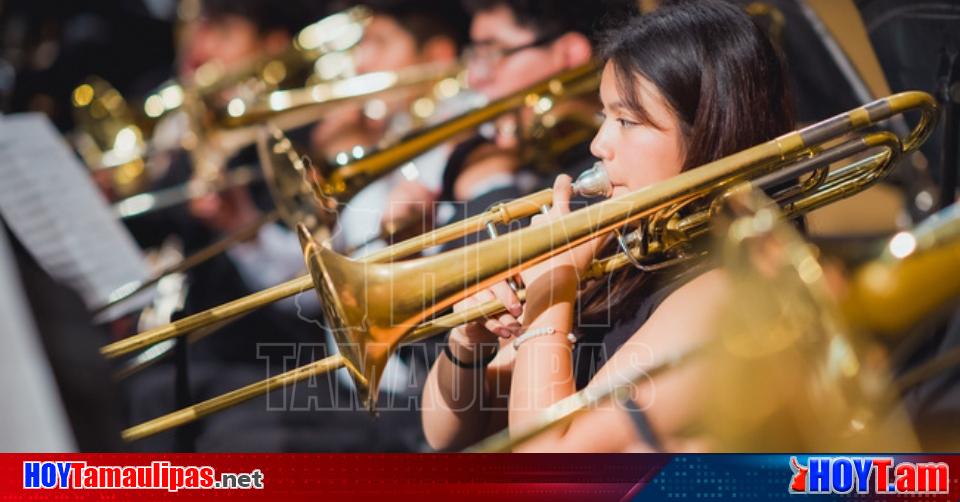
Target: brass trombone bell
[591, 183]
[108, 137]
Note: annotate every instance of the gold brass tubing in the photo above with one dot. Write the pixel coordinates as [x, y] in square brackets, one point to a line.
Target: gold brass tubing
[146, 359]
[234, 397]
[598, 268]
[836, 185]
[346, 180]
[501, 213]
[337, 92]
[207, 317]
[603, 267]
[888, 295]
[374, 328]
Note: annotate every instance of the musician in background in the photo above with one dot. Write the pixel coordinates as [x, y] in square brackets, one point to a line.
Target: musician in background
[515, 44]
[662, 116]
[401, 34]
[236, 33]
[411, 35]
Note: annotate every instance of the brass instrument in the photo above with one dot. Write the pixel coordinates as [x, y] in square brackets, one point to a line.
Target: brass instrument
[112, 135]
[220, 135]
[291, 175]
[164, 198]
[670, 214]
[304, 107]
[237, 127]
[319, 49]
[885, 296]
[108, 137]
[273, 105]
[342, 182]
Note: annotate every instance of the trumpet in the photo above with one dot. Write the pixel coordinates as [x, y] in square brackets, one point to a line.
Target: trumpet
[355, 294]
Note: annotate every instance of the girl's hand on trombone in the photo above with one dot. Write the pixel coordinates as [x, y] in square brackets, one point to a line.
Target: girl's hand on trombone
[560, 273]
[568, 265]
[488, 329]
[471, 338]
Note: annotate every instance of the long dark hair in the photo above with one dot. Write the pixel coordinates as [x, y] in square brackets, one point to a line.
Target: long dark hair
[726, 86]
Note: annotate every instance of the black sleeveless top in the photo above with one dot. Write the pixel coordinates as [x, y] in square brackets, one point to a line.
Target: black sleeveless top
[596, 346]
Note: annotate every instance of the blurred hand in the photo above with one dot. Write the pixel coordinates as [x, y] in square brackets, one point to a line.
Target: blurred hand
[409, 211]
[227, 211]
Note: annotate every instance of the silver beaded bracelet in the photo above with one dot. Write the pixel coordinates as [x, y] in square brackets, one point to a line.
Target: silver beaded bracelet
[533, 333]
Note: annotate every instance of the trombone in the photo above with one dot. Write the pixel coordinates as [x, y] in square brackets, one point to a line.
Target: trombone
[340, 183]
[112, 135]
[235, 127]
[319, 49]
[296, 108]
[356, 295]
[886, 295]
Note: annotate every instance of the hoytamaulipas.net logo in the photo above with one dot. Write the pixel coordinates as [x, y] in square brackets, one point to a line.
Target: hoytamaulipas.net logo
[159, 475]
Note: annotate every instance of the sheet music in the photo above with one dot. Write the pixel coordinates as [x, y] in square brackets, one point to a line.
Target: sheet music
[49, 201]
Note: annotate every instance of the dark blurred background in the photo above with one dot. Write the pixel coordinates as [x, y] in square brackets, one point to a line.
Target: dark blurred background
[53, 45]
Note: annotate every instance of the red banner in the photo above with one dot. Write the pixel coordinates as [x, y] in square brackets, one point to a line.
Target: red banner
[307, 477]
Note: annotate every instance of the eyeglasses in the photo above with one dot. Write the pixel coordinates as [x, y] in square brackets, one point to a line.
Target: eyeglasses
[490, 55]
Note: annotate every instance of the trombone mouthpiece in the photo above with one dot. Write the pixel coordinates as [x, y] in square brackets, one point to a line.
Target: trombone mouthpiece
[593, 182]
